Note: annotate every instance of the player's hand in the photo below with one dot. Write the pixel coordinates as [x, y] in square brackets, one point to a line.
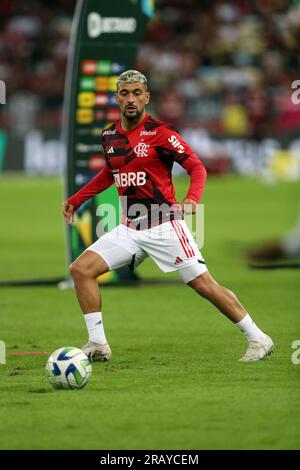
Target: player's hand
[68, 212]
[189, 206]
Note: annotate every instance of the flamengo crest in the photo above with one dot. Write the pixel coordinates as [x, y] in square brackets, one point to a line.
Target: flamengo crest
[141, 149]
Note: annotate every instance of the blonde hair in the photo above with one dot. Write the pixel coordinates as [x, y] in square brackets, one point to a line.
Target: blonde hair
[130, 76]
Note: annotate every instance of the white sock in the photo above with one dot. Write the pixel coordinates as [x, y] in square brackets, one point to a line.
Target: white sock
[250, 330]
[95, 328]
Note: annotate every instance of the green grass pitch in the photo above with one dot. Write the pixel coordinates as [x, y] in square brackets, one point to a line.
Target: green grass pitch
[174, 381]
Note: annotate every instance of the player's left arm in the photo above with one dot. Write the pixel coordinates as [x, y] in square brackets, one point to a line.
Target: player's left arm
[186, 157]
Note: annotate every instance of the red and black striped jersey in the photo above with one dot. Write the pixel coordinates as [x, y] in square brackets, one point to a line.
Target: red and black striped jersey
[140, 163]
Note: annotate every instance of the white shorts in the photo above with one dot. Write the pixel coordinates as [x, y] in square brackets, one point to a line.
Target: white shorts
[170, 245]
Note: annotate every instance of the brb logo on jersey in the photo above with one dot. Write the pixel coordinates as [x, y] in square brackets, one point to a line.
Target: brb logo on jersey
[176, 144]
[130, 179]
[141, 149]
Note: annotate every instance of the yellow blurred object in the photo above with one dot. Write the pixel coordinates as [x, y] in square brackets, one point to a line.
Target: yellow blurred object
[86, 99]
[112, 84]
[84, 227]
[285, 165]
[106, 277]
[84, 115]
[234, 120]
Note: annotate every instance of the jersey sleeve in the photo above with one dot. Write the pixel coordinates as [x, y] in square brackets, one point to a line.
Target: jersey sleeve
[172, 144]
[103, 180]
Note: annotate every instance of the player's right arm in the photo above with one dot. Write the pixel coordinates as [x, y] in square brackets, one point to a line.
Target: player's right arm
[103, 180]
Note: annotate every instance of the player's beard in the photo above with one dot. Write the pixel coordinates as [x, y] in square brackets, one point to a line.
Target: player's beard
[132, 116]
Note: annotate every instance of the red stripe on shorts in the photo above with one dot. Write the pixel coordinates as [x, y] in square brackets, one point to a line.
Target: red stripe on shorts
[180, 238]
[185, 238]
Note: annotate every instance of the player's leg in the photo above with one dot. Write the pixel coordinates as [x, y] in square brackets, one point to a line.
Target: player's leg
[197, 277]
[224, 299]
[175, 249]
[260, 344]
[107, 253]
[85, 270]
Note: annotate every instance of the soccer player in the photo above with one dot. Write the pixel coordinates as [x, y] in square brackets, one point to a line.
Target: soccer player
[139, 152]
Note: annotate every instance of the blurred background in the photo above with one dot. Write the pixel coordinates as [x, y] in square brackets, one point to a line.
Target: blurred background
[220, 71]
[223, 72]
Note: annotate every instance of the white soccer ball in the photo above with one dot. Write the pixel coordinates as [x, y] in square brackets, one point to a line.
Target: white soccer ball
[68, 368]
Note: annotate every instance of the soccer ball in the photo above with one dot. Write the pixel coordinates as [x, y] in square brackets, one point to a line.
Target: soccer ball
[68, 368]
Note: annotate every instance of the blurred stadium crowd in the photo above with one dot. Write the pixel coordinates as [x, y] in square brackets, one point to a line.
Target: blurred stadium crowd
[34, 37]
[227, 65]
[223, 67]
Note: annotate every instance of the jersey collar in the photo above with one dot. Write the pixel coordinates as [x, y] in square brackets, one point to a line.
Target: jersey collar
[121, 131]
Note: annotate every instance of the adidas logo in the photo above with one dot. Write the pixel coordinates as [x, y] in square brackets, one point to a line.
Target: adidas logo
[111, 150]
[178, 260]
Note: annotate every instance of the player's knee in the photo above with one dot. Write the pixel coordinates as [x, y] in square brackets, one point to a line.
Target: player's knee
[77, 270]
[81, 269]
